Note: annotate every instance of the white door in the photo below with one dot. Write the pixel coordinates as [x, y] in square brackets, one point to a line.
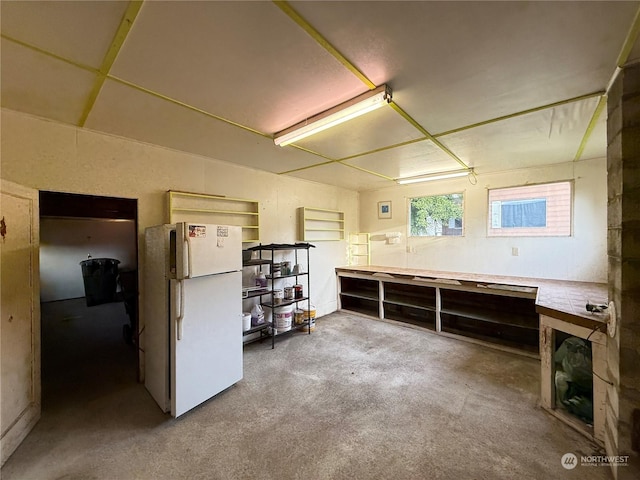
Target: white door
[19, 315]
[206, 345]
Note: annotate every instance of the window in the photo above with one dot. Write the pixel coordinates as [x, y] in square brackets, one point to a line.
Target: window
[437, 215]
[532, 210]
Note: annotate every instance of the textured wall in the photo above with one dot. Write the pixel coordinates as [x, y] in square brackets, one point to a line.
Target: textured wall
[582, 256]
[51, 156]
[623, 351]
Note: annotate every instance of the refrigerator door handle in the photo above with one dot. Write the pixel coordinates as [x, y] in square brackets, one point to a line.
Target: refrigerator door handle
[180, 316]
[189, 256]
[185, 250]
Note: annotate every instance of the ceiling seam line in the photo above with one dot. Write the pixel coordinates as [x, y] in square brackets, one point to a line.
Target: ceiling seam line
[308, 167]
[323, 42]
[116, 44]
[436, 142]
[371, 172]
[185, 105]
[50, 54]
[317, 154]
[142, 89]
[518, 114]
[475, 125]
[592, 125]
[383, 149]
[629, 41]
[287, 9]
[207, 114]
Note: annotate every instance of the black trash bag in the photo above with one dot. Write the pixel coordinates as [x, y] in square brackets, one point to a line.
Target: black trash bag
[574, 377]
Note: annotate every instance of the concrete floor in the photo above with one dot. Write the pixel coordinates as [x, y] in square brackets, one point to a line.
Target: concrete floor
[357, 399]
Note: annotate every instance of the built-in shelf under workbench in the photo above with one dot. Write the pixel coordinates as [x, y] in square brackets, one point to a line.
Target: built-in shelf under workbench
[499, 310]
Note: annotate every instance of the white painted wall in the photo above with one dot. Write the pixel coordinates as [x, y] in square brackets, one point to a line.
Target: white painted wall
[583, 256]
[65, 242]
[51, 156]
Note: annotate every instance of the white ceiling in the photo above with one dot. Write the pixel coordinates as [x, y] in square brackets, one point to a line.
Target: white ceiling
[220, 78]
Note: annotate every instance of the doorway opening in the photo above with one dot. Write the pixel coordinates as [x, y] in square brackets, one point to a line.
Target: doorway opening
[88, 294]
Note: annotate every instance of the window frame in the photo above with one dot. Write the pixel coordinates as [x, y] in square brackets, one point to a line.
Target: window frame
[462, 194]
[513, 231]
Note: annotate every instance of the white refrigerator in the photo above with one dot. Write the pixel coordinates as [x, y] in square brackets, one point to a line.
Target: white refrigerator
[193, 313]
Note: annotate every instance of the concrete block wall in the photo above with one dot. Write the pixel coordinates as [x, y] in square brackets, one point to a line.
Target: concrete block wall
[623, 238]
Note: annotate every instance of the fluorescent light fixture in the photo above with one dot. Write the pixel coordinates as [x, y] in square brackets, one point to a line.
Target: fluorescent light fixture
[367, 102]
[434, 176]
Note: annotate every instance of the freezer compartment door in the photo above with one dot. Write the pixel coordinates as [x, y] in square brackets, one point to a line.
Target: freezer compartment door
[206, 339]
[207, 249]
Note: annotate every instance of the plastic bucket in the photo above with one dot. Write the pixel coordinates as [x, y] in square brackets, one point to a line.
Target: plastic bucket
[246, 321]
[283, 318]
[303, 314]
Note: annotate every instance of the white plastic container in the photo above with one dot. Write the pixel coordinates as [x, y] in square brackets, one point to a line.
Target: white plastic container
[246, 321]
[283, 319]
[257, 315]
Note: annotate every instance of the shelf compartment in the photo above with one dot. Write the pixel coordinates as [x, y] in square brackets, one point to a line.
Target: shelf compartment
[295, 328]
[512, 311]
[510, 319]
[216, 209]
[282, 246]
[269, 277]
[359, 249]
[410, 295]
[210, 210]
[319, 224]
[423, 317]
[285, 303]
[492, 332]
[362, 296]
[255, 293]
[359, 304]
[256, 262]
[258, 328]
[361, 288]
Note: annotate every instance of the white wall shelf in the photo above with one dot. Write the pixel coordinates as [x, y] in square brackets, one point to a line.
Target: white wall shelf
[359, 249]
[318, 224]
[216, 209]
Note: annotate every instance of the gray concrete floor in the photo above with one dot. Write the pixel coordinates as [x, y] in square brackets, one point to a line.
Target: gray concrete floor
[357, 399]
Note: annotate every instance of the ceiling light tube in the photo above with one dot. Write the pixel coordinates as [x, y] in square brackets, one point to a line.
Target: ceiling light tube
[367, 102]
[434, 176]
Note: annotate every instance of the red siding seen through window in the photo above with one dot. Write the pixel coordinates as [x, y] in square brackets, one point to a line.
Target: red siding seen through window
[558, 210]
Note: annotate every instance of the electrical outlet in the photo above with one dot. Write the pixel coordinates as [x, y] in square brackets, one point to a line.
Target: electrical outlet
[411, 249]
[515, 251]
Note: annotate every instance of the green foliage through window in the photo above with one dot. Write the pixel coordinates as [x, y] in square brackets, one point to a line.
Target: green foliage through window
[436, 215]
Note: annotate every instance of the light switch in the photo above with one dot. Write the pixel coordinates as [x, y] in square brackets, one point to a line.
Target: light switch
[515, 251]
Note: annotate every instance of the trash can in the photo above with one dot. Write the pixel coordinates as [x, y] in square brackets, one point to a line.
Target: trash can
[100, 280]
